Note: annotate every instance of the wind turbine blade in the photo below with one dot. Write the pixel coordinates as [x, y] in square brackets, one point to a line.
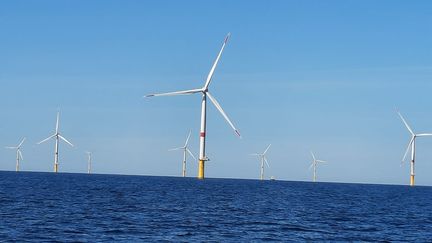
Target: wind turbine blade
[173, 149]
[322, 161]
[22, 141]
[191, 153]
[214, 101]
[187, 140]
[57, 122]
[424, 134]
[183, 92]
[64, 139]
[210, 75]
[408, 148]
[10, 147]
[20, 155]
[46, 139]
[406, 124]
[255, 154]
[311, 166]
[313, 155]
[267, 149]
[266, 162]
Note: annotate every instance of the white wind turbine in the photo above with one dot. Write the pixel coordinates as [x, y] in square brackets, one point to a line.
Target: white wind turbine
[57, 137]
[314, 165]
[89, 162]
[263, 159]
[205, 93]
[411, 145]
[185, 151]
[19, 156]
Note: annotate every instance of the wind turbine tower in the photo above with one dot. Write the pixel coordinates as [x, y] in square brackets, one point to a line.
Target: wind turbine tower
[205, 93]
[411, 145]
[314, 165]
[19, 156]
[263, 159]
[89, 162]
[185, 152]
[57, 138]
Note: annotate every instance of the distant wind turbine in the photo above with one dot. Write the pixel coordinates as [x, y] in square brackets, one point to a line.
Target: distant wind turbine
[314, 165]
[185, 151]
[205, 93]
[411, 145]
[263, 159]
[89, 162]
[57, 137]
[19, 156]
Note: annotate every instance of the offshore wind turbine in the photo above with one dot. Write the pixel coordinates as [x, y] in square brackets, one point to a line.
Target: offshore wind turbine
[314, 165]
[411, 146]
[57, 138]
[263, 159]
[205, 93]
[185, 151]
[89, 162]
[19, 156]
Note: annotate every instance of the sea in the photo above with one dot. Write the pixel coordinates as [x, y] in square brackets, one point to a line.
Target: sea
[67, 207]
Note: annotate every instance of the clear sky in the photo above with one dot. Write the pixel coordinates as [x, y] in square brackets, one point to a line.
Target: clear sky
[303, 75]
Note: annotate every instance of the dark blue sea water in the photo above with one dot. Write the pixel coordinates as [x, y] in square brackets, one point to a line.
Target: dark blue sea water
[81, 207]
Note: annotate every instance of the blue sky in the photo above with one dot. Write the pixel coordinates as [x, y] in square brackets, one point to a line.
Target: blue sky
[303, 75]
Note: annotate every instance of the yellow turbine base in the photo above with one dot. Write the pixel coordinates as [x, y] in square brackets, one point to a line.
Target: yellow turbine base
[201, 169]
[55, 168]
[412, 180]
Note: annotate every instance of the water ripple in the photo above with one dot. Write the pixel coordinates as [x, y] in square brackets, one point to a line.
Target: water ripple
[45, 207]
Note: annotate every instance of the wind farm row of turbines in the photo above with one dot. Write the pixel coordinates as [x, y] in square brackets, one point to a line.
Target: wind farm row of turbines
[57, 136]
[202, 158]
[204, 91]
[262, 157]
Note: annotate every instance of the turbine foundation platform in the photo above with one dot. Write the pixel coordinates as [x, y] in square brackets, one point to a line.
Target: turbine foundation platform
[201, 169]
